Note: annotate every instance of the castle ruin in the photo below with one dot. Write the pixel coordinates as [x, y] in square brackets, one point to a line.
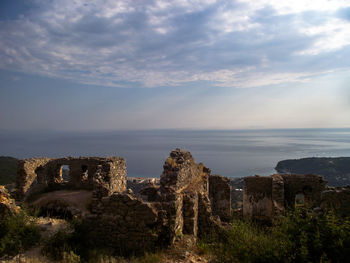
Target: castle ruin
[187, 201]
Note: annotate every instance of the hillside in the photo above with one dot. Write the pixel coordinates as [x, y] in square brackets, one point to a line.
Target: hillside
[8, 169]
[335, 170]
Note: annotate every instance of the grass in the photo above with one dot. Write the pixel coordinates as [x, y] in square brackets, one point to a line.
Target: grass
[18, 232]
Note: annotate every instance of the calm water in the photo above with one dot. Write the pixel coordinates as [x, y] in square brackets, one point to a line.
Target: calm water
[230, 153]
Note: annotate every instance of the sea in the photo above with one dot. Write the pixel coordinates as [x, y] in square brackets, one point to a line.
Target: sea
[232, 153]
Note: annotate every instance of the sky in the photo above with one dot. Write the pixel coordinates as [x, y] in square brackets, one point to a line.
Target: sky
[152, 64]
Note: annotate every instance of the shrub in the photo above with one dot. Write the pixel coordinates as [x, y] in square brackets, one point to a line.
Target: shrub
[18, 232]
[57, 246]
[300, 236]
[316, 238]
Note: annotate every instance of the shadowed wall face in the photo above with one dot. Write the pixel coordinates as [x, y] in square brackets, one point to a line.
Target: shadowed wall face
[266, 197]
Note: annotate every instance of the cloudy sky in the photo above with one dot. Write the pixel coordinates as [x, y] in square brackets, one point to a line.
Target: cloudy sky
[148, 64]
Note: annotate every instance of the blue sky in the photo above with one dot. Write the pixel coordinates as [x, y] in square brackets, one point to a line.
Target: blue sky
[206, 64]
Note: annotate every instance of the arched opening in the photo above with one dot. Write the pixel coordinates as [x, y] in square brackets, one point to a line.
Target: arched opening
[85, 172]
[65, 173]
[299, 199]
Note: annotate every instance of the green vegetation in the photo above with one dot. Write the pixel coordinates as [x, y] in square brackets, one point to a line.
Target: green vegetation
[18, 232]
[75, 246]
[300, 236]
[8, 169]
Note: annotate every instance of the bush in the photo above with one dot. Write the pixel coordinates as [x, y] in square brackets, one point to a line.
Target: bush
[247, 242]
[58, 245]
[17, 233]
[76, 246]
[316, 238]
[300, 236]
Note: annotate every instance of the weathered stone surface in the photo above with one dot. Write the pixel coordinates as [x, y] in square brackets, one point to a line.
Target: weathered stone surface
[136, 184]
[185, 188]
[338, 199]
[7, 204]
[220, 196]
[147, 214]
[126, 224]
[104, 175]
[180, 170]
[257, 198]
[309, 185]
[266, 197]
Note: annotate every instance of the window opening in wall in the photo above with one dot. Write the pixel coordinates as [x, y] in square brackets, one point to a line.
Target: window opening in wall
[39, 174]
[65, 173]
[299, 199]
[85, 171]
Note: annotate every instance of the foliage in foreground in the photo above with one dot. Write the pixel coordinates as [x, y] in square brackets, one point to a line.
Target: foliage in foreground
[300, 236]
[17, 233]
[76, 246]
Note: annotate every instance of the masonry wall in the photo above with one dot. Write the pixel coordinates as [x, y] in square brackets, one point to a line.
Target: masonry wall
[338, 199]
[43, 174]
[220, 196]
[310, 185]
[266, 197]
[185, 185]
[31, 176]
[257, 198]
[126, 224]
[156, 215]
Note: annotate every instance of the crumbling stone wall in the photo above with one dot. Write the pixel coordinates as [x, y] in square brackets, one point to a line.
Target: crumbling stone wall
[257, 198]
[31, 176]
[124, 223]
[338, 199]
[266, 197]
[104, 175]
[158, 214]
[185, 185]
[138, 185]
[180, 204]
[309, 185]
[220, 196]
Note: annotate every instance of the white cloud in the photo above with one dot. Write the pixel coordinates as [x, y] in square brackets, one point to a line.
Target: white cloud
[297, 6]
[166, 43]
[333, 35]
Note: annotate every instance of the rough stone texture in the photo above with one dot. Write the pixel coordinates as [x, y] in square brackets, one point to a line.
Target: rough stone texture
[257, 198]
[136, 184]
[146, 215]
[103, 175]
[125, 223]
[184, 186]
[338, 199]
[220, 196]
[266, 197]
[7, 204]
[31, 176]
[180, 170]
[310, 185]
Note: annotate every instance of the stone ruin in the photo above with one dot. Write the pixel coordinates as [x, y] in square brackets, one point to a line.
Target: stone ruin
[265, 197]
[137, 214]
[187, 200]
